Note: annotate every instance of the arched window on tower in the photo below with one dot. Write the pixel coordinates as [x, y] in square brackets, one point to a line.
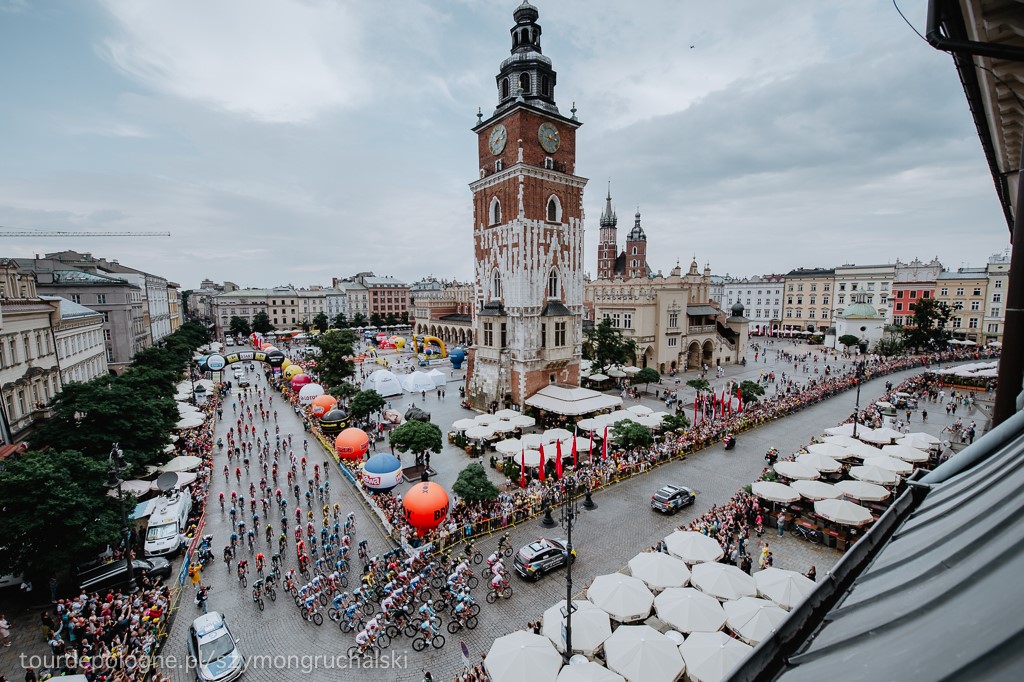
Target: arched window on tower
[553, 213]
[524, 83]
[553, 283]
[495, 285]
[545, 86]
[504, 88]
[634, 250]
[495, 211]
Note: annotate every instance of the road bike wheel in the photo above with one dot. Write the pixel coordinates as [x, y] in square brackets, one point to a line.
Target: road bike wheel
[344, 581]
[436, 582]
[272, 593]
[255, 595]
[345, 625]
[419, 644]
[304, 612]
[491, 596]
[426, 594]
[453, 627]
[323, 599]
[333, 614]
[472, 622]
[259, 603]
[473, 581]
[383, 641]
[243, 581]
[353, 651]
[410, 630]
[477, 557]
[392, 631]
[507, 552]
[318, 618]
[486, 572]
[438, 641]
[506, 593]
[474, 609]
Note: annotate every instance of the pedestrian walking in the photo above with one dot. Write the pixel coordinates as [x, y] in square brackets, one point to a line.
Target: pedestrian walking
[5, 630]
[781, 525]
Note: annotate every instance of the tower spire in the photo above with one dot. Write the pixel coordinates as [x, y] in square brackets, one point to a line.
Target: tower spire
[608, 217]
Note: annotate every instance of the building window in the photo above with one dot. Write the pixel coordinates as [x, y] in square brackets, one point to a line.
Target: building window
[488, 333]
[999, 284]
[828, 287]
[959, 291]
[504, 88]
[495, 285]
[977, 291]
[957, 323]
[673, 342]
[524, 83]
[975, 305]
[673, 320]
[553, 283]
[559, 334]
[543, 335]
[76, 298]
[972, 323]
[495, 211]
[814, 287]
[789, 313]
[627, 320]
[504, 335]
[101, 298]
[810, 314]
[993, 327]
[812, 300]
[554, 213]
[545, 86]
[994, 312]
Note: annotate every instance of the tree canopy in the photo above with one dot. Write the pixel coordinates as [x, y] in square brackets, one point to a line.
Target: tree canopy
[416, 436]
[675, 422]
[928, 326]
[358, 320]
[340, 321]
[365, 403]
[698, 384]
[473, 484]
[334, 363]
[646, 376]
[321, 322]
[751, 391]
[239, 326]
[848, 340]
[261, 323]
[629, 435]
[605, 346]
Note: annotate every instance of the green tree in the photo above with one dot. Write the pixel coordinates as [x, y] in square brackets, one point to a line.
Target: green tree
[646, 376]
[391, 319]
[365, 403]
[334, 362]
[306, 325]
[239, 326]
[343, 390]
[340, 321]
[604, 345]
[698, 384]
[675, 422]
[473, 484]
[629, 435]
[404, 317]
[376, 319]
[848, 340]
[417, 436]
[751, 391]
[928, 329]
[359, 320]
[321, 322]
[55, 510]
[261, 323]
[889, 346]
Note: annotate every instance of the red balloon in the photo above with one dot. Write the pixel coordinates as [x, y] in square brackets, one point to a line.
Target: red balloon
[352, 443]
[300, 380]
[426, 506]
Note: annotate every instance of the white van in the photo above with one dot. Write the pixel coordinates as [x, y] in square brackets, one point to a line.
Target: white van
[167, 523]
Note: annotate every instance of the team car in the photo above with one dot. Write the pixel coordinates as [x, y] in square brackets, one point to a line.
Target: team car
[541, 557]
[671, 498]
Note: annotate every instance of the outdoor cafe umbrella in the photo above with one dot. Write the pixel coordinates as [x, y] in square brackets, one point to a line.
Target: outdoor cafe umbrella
[623, 597]
[590, 626]
[532, 440]
[589, 424]
[522, 655]
[753, 619]
[640, 410]
[190, 422]
[582, 445]
[818, 461]
[463, 424]
[873, 474]
[841, 430]
[843, 512]
[522, 421]
[506, 414]
[502, 426]
[485, 419]
[722, 581]
[598, 377]
[922, 441]
[882, 436]
[169, 448]
[182, 463]
[531, 457]
[689, 610]
[891, 463]
[816, 490]
[551, 435]
[710, 656]
[135, 487]
[861, 490]
[833, 450]
[693, 547]
[774, 491]
[587, 671]
[631, 370]
[905, 452]
[785, 588]
[642, 654]
[509, 446]
[793, 470]
[649, 421]
[857, 449]
[616, 373]
[480, 432]
[659, 570]
[620, 415]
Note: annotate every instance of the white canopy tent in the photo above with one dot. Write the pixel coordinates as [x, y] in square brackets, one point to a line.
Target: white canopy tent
[383, 382]
[571, 401]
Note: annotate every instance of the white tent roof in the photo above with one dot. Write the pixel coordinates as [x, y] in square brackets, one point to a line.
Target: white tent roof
[383, 382]
[438, 377]
[417, 382]
[571, 401]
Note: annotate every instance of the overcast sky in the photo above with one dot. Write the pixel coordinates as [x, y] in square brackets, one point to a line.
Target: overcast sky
[289, 141]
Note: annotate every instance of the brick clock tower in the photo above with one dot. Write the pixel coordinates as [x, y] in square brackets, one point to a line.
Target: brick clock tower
[527, 233]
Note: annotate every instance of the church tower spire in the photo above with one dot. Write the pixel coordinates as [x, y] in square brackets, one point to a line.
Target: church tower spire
[636, 250]
[607, 244]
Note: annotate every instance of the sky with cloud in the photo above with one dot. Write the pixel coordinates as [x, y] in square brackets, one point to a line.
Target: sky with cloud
[289, 141]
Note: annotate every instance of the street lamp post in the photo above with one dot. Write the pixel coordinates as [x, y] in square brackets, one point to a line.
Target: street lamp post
[859, 378]
[117, 466]
[569, 512]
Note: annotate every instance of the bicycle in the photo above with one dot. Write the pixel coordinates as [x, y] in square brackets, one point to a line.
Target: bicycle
[494, 595]
[257, 599]
[421, 643]
[469, 622]
[242, 580]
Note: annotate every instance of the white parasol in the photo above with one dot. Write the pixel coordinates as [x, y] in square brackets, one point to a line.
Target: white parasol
[921, 441]
[816, 490]
[136, 487]
[631, 371]
[532, 440]
[795, 471]
[640, 410]
[689, 610]
[182, 463]
[649, 421]
[693, 547]
[463, 424]
[506, 414]
[891, 463]
[532, 458]
[775, 492]
[502, 426]
[582, 445]
[818, 461]
[588, 671]
[879, 436]
[623, 597]
[485, 419]
[860, 490]
[833, 450]
[841, 430]
[620, 415]
[785, 588]
[522, 656]
[552, 435]
[616, 373]
[753, 619]
[522, 421]
[710, 656]
[590, 626]
[598, 377]
[190, 422]
[659, 570]
[872, 474]
[843, 512]
[905, 452]
[480, 432]
[589, 424]
[509, 446]
[723, 581]
[642, 654]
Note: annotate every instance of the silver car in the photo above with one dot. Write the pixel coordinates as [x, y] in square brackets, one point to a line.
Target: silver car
[212, 651]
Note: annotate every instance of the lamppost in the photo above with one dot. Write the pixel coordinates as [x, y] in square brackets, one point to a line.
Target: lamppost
[117, 465]
[858, 378]
[569, 512]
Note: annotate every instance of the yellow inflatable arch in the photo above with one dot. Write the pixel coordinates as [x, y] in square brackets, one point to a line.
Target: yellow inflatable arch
[426, 340]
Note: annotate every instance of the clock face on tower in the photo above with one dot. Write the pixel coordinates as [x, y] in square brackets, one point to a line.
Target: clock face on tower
[497, 140]
[548, 136]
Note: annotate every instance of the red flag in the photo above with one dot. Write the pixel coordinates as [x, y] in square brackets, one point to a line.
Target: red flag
[574, 452]
[604, 444]
[696, 402]
[739, 398]
[591, 446]
[558, 459]
[542, 475]
[522, 470]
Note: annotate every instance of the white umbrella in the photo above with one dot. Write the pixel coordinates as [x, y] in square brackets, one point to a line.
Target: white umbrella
[485, 419]
[551, 435]
[753, 619]
[590, 626]
[884, 404]
[857, 449]
[631, 370]
[463, 424]
[775, 492]
[878, 436]
[649, 421]
[841, 430]
[135, 487]
[723, 581]
[923, 437]
[689, 610]
[182, 463]
[710, 656]
[872, 474]
[169, 448]
[582, 445]
[659, 570]
[816, 490]
[891, 463]
[190, 422]
[795, 471]
[833, 450]
[588, 671]
[625, 598]
[598, 377]
[843, 512]
[589, 424]
[506, 414]
[480, 432]
[522, 656]
[532, 458]
[620, 415]
[921, 441]
[660, 413]
[522, 421]
[532, 440]
[641, 410]
[905, 452]
[642, 654]
[861, 490]
[893, 434]
[818, 461]
[693, 547]
[616, 373]
[502, 426]
[785, 588]
[509, 446]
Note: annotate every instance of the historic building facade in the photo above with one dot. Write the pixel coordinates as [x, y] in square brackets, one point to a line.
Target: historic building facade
[527, 233]
[807, 304]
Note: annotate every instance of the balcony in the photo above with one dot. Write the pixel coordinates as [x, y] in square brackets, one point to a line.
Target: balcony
[701, 329]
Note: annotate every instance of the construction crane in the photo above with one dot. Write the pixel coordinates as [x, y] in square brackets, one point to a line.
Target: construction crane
[63, 233]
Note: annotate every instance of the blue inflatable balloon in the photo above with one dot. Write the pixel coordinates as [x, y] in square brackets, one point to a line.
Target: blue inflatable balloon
[457, 356]
[382, 472]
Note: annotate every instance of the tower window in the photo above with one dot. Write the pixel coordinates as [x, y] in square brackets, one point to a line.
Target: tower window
[524, 83]
[545, 86]
[634, 250]
[495, 211]
[553, 284]
[504, 88]
[554, 210]
[495, 285]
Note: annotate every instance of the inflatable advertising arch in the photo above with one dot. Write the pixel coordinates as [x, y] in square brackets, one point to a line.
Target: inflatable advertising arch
[427, 339]
[217, 362]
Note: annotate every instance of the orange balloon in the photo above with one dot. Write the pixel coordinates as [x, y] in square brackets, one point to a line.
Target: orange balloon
[426, 506]
[323, 404]
[352, 443]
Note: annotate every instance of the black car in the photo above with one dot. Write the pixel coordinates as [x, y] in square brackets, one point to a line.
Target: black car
[115, 573]
[541, 557]
[671, 498]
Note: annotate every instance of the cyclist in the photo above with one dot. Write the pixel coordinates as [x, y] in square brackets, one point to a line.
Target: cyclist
[429, 630]
[222, 501]
[261, 562]
[504, 543]
[363, 639]
[257, 589]
[243, 568]
[498, 583]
